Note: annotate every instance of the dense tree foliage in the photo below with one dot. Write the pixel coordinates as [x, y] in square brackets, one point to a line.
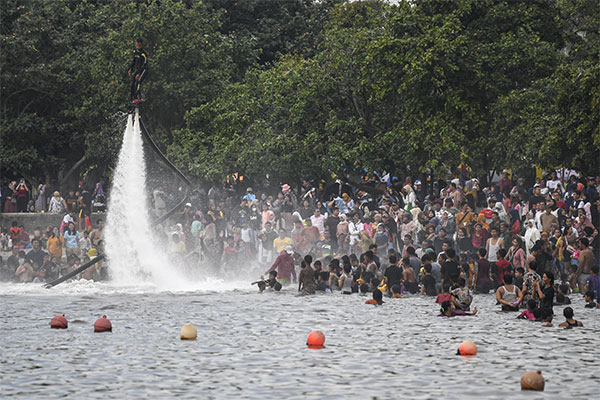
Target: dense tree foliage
[304, 87]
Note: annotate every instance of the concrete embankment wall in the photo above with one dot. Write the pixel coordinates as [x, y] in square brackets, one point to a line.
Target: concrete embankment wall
[33, 220]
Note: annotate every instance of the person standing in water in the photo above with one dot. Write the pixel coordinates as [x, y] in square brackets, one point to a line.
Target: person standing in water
[285, 265]
[545, 290]
[509, 295]
[306, 279]
[138, 71]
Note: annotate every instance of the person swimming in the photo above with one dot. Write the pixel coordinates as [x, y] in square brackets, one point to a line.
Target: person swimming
[448, 310]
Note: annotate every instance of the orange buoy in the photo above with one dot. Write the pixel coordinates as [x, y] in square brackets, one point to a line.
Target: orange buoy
[102, 325]
[315, 340]
[467, 348]
[59, 322]
[532, 381]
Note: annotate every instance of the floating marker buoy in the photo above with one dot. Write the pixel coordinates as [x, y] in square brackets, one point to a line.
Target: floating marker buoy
[189, 332]
[467, 348]
[315, 340]
[59, 322]
[102, 325]
[532, 381]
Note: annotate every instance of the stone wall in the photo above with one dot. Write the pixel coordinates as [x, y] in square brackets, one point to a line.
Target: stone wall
[30, 220]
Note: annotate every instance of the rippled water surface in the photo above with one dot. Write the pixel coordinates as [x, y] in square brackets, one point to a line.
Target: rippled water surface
[253, 346]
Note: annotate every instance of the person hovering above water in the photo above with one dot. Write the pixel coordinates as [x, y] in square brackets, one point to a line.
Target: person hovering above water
[138, 71]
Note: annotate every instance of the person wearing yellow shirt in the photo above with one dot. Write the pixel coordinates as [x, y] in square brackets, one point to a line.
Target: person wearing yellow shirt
[176, 245]
[55, 244]
[281, 242]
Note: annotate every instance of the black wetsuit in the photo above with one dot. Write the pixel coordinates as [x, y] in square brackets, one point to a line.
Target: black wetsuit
[139, 66]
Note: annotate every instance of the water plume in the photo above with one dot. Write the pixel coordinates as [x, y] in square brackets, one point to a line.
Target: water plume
[133, 255]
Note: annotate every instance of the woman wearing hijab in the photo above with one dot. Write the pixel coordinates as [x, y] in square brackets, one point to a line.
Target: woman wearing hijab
[40, 201]
[515, 222]
[57, 204]
[349, 203]
[342, 235]
[99, 198]
[408, 196]
[532, 235]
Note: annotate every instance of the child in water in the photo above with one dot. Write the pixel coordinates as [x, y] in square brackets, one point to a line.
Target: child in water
[570, 322]
[448, 310]
[529, 313]
[269, 283]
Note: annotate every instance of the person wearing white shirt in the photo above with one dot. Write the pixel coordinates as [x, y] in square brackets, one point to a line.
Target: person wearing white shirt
[354, 228]
[318, 220]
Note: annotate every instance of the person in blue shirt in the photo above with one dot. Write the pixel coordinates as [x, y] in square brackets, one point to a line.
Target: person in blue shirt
[71, 237]
[249, 196]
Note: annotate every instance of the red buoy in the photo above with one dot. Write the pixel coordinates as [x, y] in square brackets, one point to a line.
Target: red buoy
[59, 322]
[315, 340]
[467, 348]
[102, 325]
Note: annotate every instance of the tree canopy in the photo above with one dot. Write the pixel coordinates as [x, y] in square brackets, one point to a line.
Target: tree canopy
[303, 87]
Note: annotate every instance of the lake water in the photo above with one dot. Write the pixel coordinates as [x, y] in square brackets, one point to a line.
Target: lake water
[252, 345]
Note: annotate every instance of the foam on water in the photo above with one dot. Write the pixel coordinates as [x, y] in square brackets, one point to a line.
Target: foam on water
[133, 257]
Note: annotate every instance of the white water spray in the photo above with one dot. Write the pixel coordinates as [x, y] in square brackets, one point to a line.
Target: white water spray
[132, 253]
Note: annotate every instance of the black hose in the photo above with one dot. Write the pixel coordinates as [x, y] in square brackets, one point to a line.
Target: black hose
[74, 272]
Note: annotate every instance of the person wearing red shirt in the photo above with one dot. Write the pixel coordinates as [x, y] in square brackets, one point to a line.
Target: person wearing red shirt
[503, 266]
[284, 263]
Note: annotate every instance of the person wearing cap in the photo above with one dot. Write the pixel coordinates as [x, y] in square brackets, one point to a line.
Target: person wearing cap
[536, 196]
[187, 217]
[249, 196]
[284, 264]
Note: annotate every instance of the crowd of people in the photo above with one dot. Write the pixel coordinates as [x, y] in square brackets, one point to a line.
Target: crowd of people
[20, 197]
[537, 243]
[50, 253]
[528, 243]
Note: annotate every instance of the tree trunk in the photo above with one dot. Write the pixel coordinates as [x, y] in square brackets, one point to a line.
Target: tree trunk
[64, 179]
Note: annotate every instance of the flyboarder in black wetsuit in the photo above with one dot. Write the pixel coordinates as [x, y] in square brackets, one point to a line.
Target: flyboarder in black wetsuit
[138, 70]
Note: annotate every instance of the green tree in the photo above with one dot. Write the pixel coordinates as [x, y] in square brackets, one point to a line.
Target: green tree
[64, 77]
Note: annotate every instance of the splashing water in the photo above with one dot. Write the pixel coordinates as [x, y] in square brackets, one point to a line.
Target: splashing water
[130, 245]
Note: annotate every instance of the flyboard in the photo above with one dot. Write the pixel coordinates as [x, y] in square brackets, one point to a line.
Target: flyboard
[134, 108]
